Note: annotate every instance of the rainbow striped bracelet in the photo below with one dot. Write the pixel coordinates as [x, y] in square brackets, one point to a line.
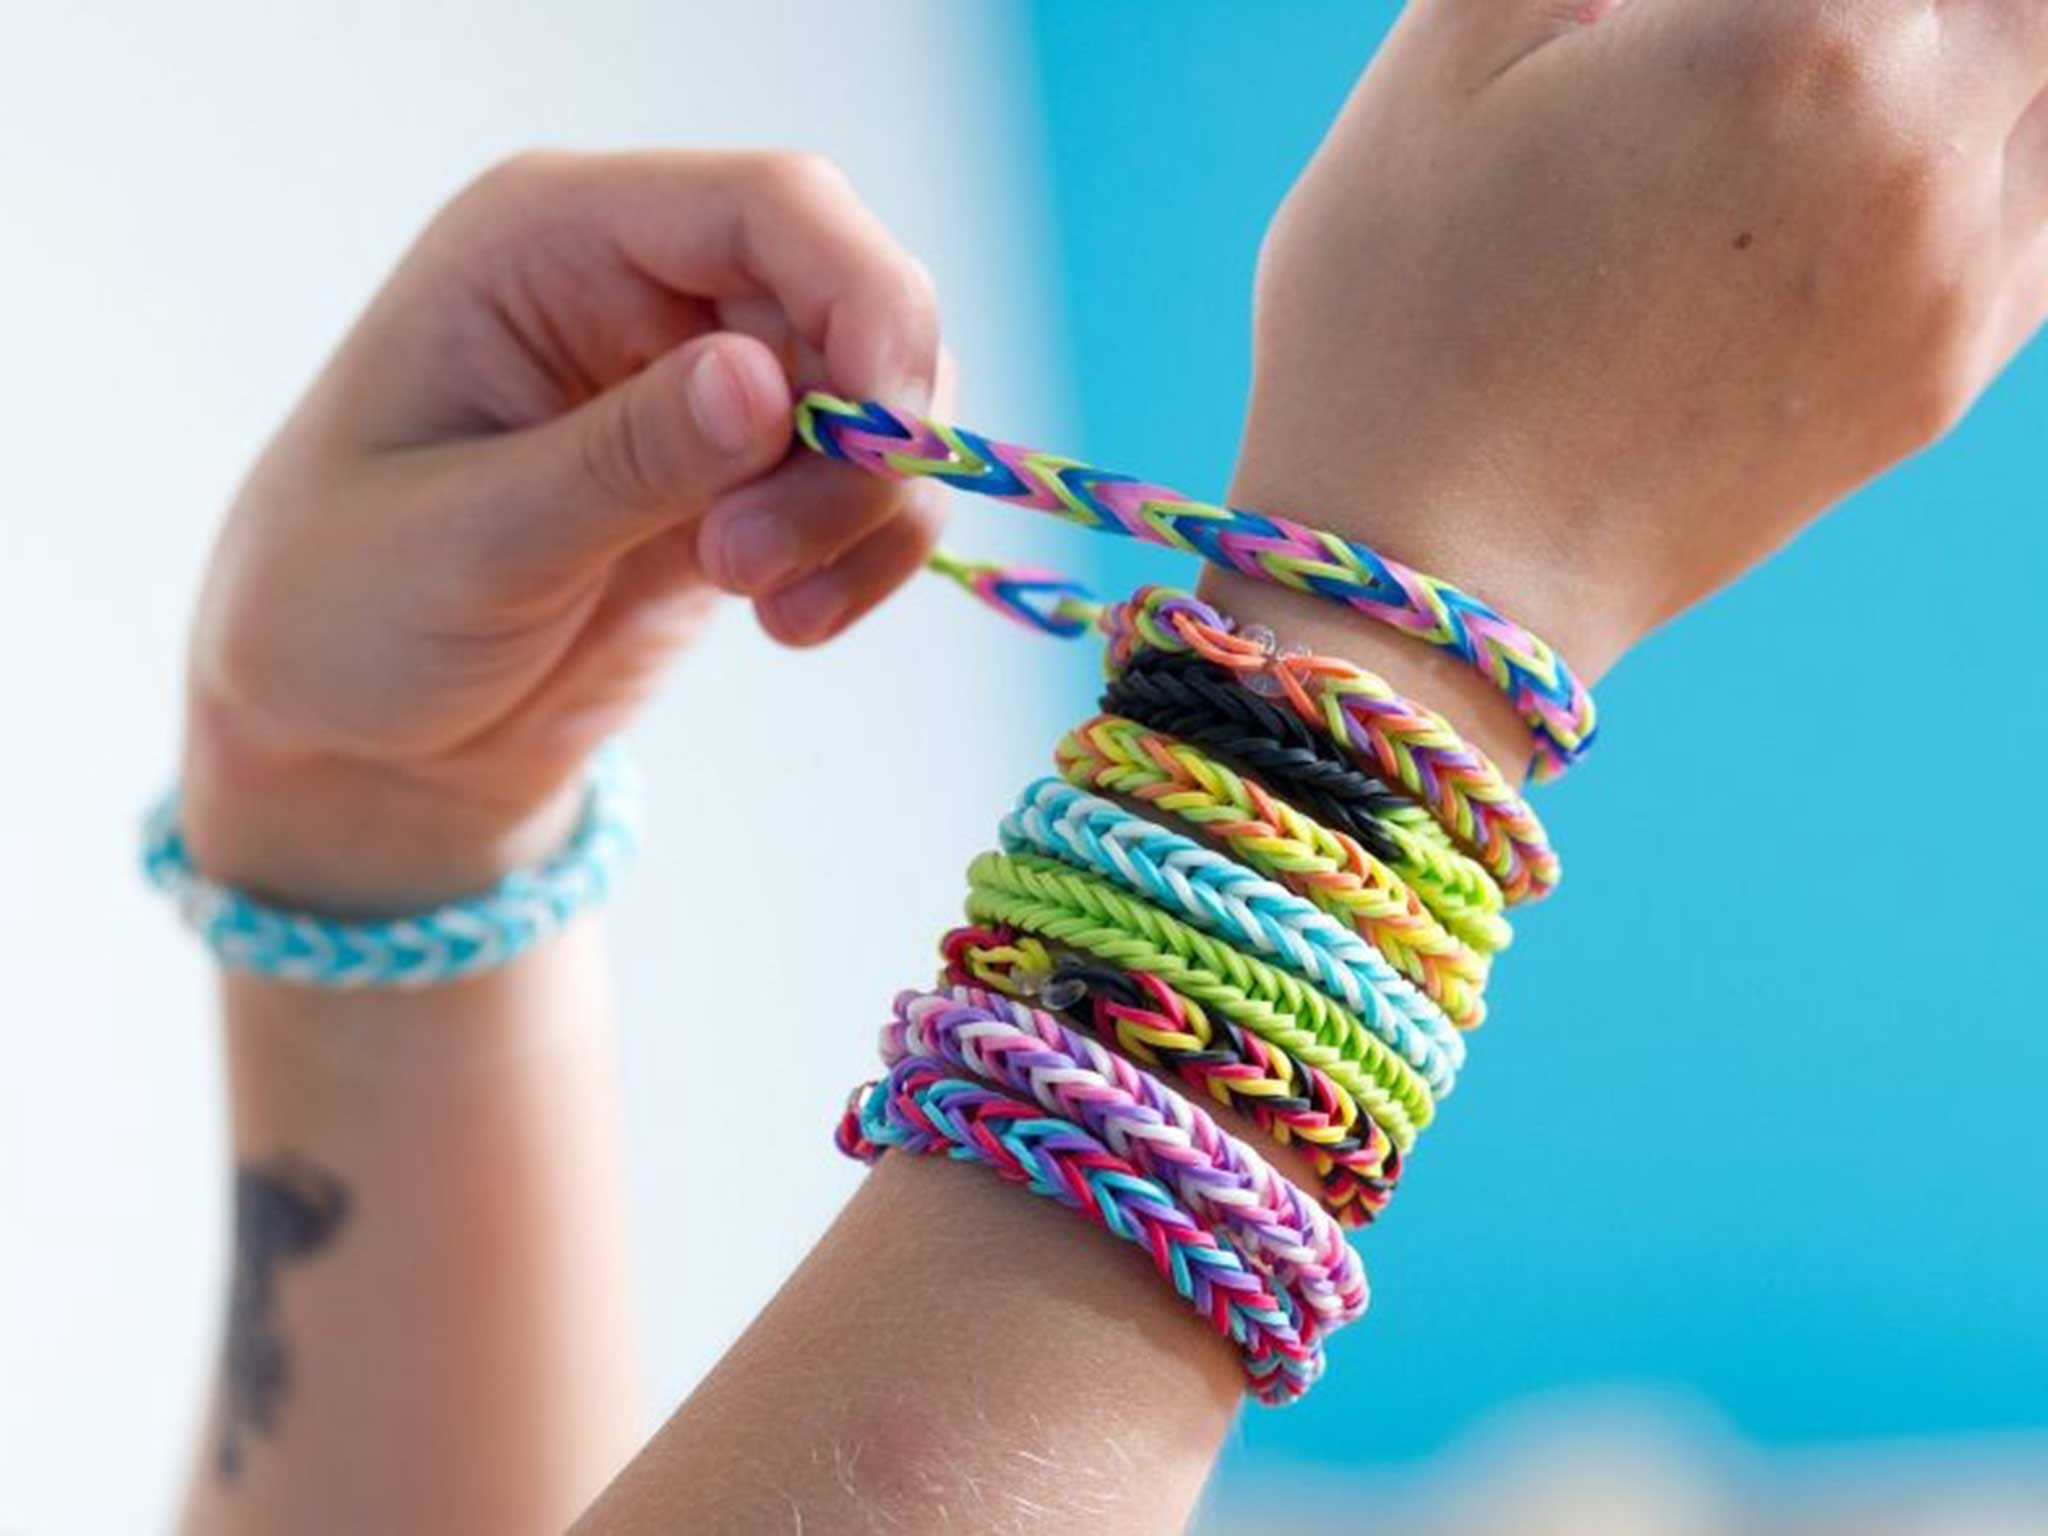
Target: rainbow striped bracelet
[1557, 708]
[922, 1107]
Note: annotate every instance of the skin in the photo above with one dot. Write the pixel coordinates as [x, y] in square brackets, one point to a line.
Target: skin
[1588, 307]
[467, 558]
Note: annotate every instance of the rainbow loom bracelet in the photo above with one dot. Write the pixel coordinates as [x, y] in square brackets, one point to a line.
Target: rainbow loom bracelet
[449, 943]
[1222, 896]
[920, 1107]
[1331, 868]
[1552, 702]
[1066, 906]
[1356, 1163]
[1284, 1235]
[1132, 848]
[1201, 707]
[1198, 705]
[1366, 719]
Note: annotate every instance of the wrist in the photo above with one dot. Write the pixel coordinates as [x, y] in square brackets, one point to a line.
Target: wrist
[323, 833]
[1453, 526]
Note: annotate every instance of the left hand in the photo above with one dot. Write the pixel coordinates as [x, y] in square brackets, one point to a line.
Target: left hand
[510, 498]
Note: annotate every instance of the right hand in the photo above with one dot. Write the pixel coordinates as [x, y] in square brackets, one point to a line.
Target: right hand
[1592, 306]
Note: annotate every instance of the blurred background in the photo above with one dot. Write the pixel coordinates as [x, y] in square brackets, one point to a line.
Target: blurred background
[1738, 1222]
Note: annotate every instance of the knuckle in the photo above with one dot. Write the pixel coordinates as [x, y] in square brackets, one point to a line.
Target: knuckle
[799, 175]
[517, 174]
[1814, 61]
[620, 452]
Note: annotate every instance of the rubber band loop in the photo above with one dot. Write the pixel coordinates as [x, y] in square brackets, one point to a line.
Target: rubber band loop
[1552, 702]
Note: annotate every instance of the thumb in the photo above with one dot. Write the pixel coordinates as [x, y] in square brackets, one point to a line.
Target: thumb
[650, 452]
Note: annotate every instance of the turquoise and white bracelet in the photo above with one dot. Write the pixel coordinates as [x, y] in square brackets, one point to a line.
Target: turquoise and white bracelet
[463, 938]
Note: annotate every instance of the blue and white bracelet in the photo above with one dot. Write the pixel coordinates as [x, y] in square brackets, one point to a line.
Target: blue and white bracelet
[463, 938]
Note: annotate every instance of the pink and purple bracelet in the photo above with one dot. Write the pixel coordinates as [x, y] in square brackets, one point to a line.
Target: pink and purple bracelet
[922, 1107]
[1286, 1235]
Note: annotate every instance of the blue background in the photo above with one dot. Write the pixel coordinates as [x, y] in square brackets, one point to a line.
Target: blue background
[1758, 1112]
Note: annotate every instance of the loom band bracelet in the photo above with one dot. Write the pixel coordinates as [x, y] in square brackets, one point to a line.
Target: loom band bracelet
[1221, 896]
[923, 1109]
[445, 944]
[1555, 706]
[1085, 912]
[1331, 867]
[1182, 696]
[1385, 733]
[1410, 746]
[1430, 988]
[1356, 1165]
[1043, 601]
[1065, 906]
[1008, 1044]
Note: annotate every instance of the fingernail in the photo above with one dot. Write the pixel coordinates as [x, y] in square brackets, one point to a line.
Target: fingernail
[812, 608]
[754, 552]
[718, 402]
[914, 394]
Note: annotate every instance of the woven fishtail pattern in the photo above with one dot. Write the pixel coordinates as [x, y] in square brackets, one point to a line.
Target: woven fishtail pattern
[1065, 906]
[1557, 709]
[1008, 1044]
[922, 1107]
[1356, 1164]
[1331, 868]
[1378, 728]
[1220, 895]
[1202, 706]
[463, 938]
[1307, 957]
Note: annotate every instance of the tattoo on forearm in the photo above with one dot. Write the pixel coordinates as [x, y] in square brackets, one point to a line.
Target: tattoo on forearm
[286, 1210]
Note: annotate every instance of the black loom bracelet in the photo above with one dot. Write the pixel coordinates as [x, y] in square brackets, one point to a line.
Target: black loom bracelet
[1206, 707]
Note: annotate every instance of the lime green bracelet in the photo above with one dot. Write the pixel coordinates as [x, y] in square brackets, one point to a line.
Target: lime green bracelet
[1067, 906]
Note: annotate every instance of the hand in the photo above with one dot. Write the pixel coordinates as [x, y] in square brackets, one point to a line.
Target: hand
[506, 503]
[1592, 306]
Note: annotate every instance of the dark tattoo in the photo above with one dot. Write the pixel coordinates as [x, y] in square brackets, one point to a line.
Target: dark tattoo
[286, 1210]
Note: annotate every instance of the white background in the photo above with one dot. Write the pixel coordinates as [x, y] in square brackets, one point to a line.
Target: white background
[194, 200]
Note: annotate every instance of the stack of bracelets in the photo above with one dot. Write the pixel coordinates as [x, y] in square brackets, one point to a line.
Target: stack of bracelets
[1299, 929]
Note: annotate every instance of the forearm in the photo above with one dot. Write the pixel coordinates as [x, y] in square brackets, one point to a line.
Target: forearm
[962, 1355]
[429, 1321]
[954, 1355]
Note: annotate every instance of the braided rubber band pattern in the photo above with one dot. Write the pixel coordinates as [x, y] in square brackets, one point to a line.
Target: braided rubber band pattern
[1221, 896]
[1331, 868]
[1065, 906]
[461, 939]
[1554, 705]
[920, 1107]
[1367, 720]
[1355, 1162]
[1273, 1226]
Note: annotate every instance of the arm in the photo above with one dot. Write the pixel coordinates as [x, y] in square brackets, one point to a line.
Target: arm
[464, 562]
[1588, 315]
